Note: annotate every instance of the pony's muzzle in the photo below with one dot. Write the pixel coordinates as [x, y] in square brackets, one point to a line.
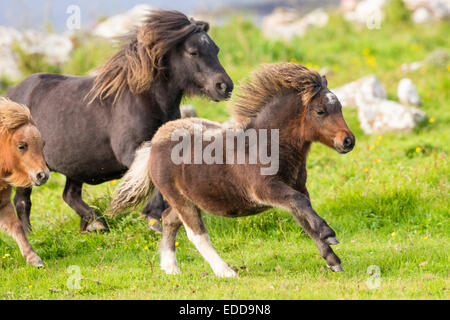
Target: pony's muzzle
[346, 144]
[41, 178]
[224, 87]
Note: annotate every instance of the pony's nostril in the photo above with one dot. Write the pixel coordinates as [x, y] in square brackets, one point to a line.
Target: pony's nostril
[221, 87]
[347, 142]
[41, 176]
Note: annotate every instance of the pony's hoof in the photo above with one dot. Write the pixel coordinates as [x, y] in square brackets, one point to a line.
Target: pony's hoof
[97, 226]
[226, 273]
[336, 268]
[331, 241]
[154, 225]
[35, 261]
[171, 270]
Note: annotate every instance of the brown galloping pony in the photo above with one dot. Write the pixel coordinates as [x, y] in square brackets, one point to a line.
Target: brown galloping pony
[285, 99]
[22, 164]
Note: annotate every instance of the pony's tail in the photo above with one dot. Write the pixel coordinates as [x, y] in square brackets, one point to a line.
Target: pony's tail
[136, 186]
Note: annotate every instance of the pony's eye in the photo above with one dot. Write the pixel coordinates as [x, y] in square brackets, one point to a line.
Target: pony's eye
[23, 146]
[320, 112]
[193, 53]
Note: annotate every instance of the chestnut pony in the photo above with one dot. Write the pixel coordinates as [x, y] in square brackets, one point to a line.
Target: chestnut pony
[287, 99]
[22, 164]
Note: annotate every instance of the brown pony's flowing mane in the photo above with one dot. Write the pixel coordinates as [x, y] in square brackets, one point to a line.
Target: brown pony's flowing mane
[269, 82]
[12, 115]
[141, 61]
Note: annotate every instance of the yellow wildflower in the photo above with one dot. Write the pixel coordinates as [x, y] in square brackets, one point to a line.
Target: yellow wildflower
[425, 238]
[366, 52]
[372, 147]
[378, 143]
[431, 120]
[177, 244]
[418, 150]
[378, 160]
[366, 169]
[146, 248]
[394, 234]
[308, 65]
[371, 61]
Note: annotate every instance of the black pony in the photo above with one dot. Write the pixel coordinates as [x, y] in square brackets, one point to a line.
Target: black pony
[92, 126]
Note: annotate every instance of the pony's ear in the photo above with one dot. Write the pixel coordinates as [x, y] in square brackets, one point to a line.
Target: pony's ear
[324, 82]
[203, 25]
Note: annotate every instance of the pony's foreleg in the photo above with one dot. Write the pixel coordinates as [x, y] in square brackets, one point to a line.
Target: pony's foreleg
[171, 225]
[300, 206]
[12, 225]
[90, 221]
[198, 235]
[22, 202]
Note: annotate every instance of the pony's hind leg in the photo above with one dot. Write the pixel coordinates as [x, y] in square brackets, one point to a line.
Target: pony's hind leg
[22, 202]
[90, 221]
[198, 235]
[171, 225]
[12, 225]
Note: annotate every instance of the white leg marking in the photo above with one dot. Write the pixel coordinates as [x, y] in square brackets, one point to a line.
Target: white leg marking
[169, 261]
[204, 246]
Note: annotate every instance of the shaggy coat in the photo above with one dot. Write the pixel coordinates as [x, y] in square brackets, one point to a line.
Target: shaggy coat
[284, 96]
[93, 125]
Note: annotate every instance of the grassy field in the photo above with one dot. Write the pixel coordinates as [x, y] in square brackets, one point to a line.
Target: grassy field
[388, 200]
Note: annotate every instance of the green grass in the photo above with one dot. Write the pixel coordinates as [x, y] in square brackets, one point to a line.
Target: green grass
[389, 205]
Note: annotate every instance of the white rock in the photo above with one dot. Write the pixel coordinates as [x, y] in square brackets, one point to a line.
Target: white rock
[348, 5]
[367, 12]
[366, 88]
[122, 24]
[8, 64]
[413, 66]
[55, 48]
[188, 111]
[427, 10]
[285, 23]
[407, 93]
[421, 15]
[439, 8]
[380, 116]
[8, 59]
[317, 18]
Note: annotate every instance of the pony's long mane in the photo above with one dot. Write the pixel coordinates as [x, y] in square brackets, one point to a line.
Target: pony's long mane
[12, 116]
[270, 81]
[141, 60]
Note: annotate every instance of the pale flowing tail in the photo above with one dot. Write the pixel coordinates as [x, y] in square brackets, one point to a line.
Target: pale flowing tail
[136, 186]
